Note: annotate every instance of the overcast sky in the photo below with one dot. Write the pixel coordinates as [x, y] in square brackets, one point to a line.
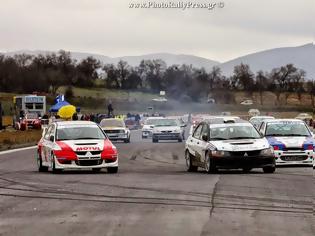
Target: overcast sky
[112, 28]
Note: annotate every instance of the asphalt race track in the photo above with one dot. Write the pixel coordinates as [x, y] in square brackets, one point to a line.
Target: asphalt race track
[152, 194]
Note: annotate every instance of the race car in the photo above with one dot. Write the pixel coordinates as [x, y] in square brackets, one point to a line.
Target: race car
[116, 129]
[225, 143]
[148, 126]
[292, 141]
[76, 145]
[257, 120]
[167, 129]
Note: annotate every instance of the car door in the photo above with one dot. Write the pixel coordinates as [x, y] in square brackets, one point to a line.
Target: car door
[194, 141]
[49, 144]
[202, 144]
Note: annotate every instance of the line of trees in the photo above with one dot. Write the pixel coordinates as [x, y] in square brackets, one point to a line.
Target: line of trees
[46, 73]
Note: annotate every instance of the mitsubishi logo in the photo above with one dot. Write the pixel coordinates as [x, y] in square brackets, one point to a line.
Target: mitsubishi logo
[245, 155]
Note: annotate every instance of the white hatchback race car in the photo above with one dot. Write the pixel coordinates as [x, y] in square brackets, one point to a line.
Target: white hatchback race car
[292, 141]
[76, 145]
[228, 144]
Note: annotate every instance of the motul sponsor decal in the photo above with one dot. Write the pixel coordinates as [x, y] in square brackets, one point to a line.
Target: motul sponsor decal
[88, 149]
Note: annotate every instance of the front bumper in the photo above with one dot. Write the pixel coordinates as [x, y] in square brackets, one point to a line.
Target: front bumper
[167, 136]
[305, 157]
[237, 162]
[116, 137]
[86, 164]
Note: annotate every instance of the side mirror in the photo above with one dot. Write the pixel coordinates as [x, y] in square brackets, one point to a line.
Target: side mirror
[205, 138]
[151, 126]
[183, 125]
[51, 138]
[261, 133]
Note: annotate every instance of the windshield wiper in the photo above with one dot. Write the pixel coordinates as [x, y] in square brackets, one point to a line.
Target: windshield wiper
[302, 135]
[243, 138]
[86, 138]
[213, 139]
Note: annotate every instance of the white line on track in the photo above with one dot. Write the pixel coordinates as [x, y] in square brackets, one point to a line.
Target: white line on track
[17, 150]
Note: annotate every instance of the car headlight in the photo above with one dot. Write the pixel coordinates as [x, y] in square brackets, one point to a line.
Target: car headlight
[217, 153]
[267, 152]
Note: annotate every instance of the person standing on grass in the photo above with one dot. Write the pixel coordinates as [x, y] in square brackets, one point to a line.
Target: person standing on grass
[110, 110]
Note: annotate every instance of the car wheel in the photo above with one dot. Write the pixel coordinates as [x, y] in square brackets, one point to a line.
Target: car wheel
[127, 140]
[155, 140]
[112, 170]
[180, 140]
[40, 166]
[247, 169]
[96, 169]
[53, 166]
[269, 169]
[189, 163]
[209, 164]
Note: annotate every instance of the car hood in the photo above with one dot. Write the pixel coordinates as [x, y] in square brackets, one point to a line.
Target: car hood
[87, 145]
[240, 145]
[166, 128]
[291, 141]
[114, 128]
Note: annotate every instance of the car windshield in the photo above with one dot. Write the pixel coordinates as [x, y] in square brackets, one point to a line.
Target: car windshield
[234, 132]
[287, 129]
[112, 123]
[167, 122]
[79, 132]
[152, 121]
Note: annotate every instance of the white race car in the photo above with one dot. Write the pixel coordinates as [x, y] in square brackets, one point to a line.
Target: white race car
[225, 143]
[116, 129]
[76, 145]
[167, 129]
[292, 141]
[149, 125]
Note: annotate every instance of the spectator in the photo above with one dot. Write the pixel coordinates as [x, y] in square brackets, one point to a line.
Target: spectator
[110, 110]
[75, 116]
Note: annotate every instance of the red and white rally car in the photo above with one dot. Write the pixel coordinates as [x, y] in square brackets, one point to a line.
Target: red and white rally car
[76, 145]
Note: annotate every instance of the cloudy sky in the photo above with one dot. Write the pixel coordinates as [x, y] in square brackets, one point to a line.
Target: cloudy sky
[113, 28]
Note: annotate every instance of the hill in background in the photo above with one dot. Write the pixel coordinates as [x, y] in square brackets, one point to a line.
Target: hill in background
[303, 57]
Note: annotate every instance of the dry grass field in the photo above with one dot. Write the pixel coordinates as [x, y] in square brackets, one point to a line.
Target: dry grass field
[15, 139]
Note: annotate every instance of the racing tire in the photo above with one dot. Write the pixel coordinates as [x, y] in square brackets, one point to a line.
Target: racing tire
[127, 140]
[269, 169]
[41, 168]
[96, 169]
[189, 163]
[210, 166]
[112, 170]
[180, 140]
[155, 140]
[53, 167]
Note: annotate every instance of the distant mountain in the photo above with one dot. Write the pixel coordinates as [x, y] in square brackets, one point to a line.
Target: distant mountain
[302, 57]
[170, 59]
